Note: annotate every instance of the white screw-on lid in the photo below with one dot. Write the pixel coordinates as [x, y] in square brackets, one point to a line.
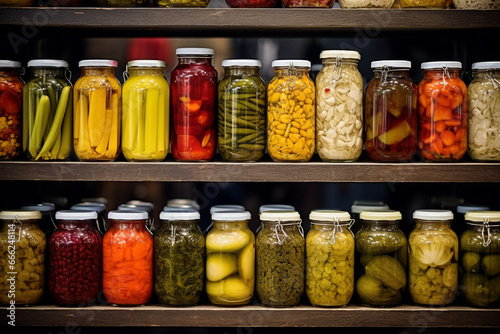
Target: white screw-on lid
[291, 62]
[440, 64]
[146, 63]
[481, 216]
[241, 62]
[127, 215]
[21, 215]
[10, 64]
[195, 52]
[380, 215]
[48, 63]
[231, 215]
[486, 65]
[329, 215]
[391, 63]
[433, 214]
[226, 207]
[98, 63]
[75, 215]
[340, 54]
[280, 216]
[179, 215]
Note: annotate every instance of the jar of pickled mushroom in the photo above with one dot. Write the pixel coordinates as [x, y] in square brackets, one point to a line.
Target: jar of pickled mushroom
[291, 112]
[11, 94]
[127, 262]
[308, 3]
[442, 110]
[437, 4]
[181, 3]
[121, 3]
[391, 112]
[280, 259]
[179, 259]
[480, 259]
[329, 258]
[433, 258]
[22, 249]
[242, 111]
[47, 110]
[484, 112]
[252, 3]
[97, 111]
[145, 115]
[75, 267]
[193, 93]
[339, 107]
[230, 265]
[381, 259]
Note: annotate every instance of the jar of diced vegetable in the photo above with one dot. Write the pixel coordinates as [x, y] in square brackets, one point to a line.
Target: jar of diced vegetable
[11, 94]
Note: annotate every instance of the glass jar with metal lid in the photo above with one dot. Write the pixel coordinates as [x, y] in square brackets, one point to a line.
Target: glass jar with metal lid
[391, 118]
[359, 206]
[280, 259]
[329, 258]
[11, 97]
[137, 205]
[179, 259]
[433, 258]
[339, 106]
[22, 249]
[291, 111]
[480, 259]
[381, 259]
[48, 210]
[97, 123]
[484, 112]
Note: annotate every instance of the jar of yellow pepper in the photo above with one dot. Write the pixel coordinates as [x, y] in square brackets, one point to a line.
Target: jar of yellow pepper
[291, 112]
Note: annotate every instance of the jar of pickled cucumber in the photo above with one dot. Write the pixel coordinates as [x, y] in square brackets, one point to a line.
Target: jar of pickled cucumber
[181, 3]
[291, 112]
[280, 259]
[22, 249]
[145, 111]
[242, 107]
[359, 206]
[194, 93]
[11, 94]
[381, 259]
[47, 110]
[484, 112]
[329, 258]
[391, 112]
[339, 107]
[97, 111]
[179, 259]
[230, 265]
[433, 258]
[480, 259]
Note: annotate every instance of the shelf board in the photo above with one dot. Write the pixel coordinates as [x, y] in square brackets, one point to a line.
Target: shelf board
[223, 171]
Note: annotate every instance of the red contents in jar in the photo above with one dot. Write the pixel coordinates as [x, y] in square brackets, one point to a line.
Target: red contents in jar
[308, 3]
[75, 263]
[11, 91]
[252, 3]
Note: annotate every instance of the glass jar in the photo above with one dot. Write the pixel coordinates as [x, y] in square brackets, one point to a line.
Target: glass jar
[291, 111]
[252, 3]
[477, 4]
[437, 4]
[11, 93]
[136, 205]
[22, 249]
[459, 224]
[484, 112]
[242, 108]
[121, 3]
[145, 115]
[280, 259]
[127, 262]
[442, 110]
[194, 93]
[308, 3]
[391, 112]
[75, 266]
[339, 107]
[480, 259]
[329, 259]
[181, 3]
[366, 4]
[179, 259]
[47, 110]
[359, 206]
[381, 259]
[230, 266]
[97, 111]
[433, 258]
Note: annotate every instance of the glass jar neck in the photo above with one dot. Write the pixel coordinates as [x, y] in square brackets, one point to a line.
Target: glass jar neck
[38, 72]
[342, 62]
[137, 225]
[6, 73]
[230, 225]
[441, 73]
[430, 225]
[391, 73]
[25, 225]
[291, 71]
[195, 60]
[149, 71]
[328, 226]
[241, 71]
[98, 71]
[75, 225]
[181, 224]
[385, 225]
[486, 74]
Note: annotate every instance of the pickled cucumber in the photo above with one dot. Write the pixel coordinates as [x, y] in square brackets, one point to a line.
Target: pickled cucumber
[471, 262]
[224, 241]
[370, 242]
[221, 265]
[491, 264]
[471, 241]
[388, 270]
[371, 291]
[479, 291]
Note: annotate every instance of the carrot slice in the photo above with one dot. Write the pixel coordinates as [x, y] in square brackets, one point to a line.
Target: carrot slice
[444, 101]
[437, 146]
[453, 122]
[206, 138]
[454, 149]
[423, 100]
[456, 101]
[447, 137]
[440, 126]
[442, 113]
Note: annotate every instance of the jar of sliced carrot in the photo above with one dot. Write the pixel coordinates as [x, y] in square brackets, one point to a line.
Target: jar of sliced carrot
[127, 273]
[442, 109]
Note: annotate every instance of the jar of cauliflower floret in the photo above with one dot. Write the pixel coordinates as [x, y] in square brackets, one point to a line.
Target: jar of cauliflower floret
[484, 112]
[433, 258]
[339, 107]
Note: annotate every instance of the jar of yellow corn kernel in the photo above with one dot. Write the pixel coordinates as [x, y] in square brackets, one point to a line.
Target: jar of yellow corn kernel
[291, 112]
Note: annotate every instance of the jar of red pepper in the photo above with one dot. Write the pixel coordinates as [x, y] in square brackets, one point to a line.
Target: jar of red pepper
[127, 262]
[11, 92]
[193, 99]
[442, 109]
[75, 258]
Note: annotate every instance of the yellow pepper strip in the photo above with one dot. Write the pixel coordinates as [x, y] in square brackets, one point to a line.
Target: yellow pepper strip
[97, 112]
[114, 135]
[129, 119]
[81, 126]
[103, 144]
[54, 150]
[66, 140]
[151, 120]
[141, 119]
[41, 118]
[162, 124]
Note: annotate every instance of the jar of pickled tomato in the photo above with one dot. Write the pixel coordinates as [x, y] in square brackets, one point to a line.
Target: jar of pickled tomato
[291, 112]
[47, 110]
[194, 94]
[11, 94]
[145, 116]
[391, 112]
[308, 3]
[75, 258]
[442, 112]
[97, 111]
[339, 107]
[252, 3]
[242, 107]
[127, 262]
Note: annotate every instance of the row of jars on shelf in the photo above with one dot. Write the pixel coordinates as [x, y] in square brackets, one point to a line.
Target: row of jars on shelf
[200, 114]
[380, 265]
